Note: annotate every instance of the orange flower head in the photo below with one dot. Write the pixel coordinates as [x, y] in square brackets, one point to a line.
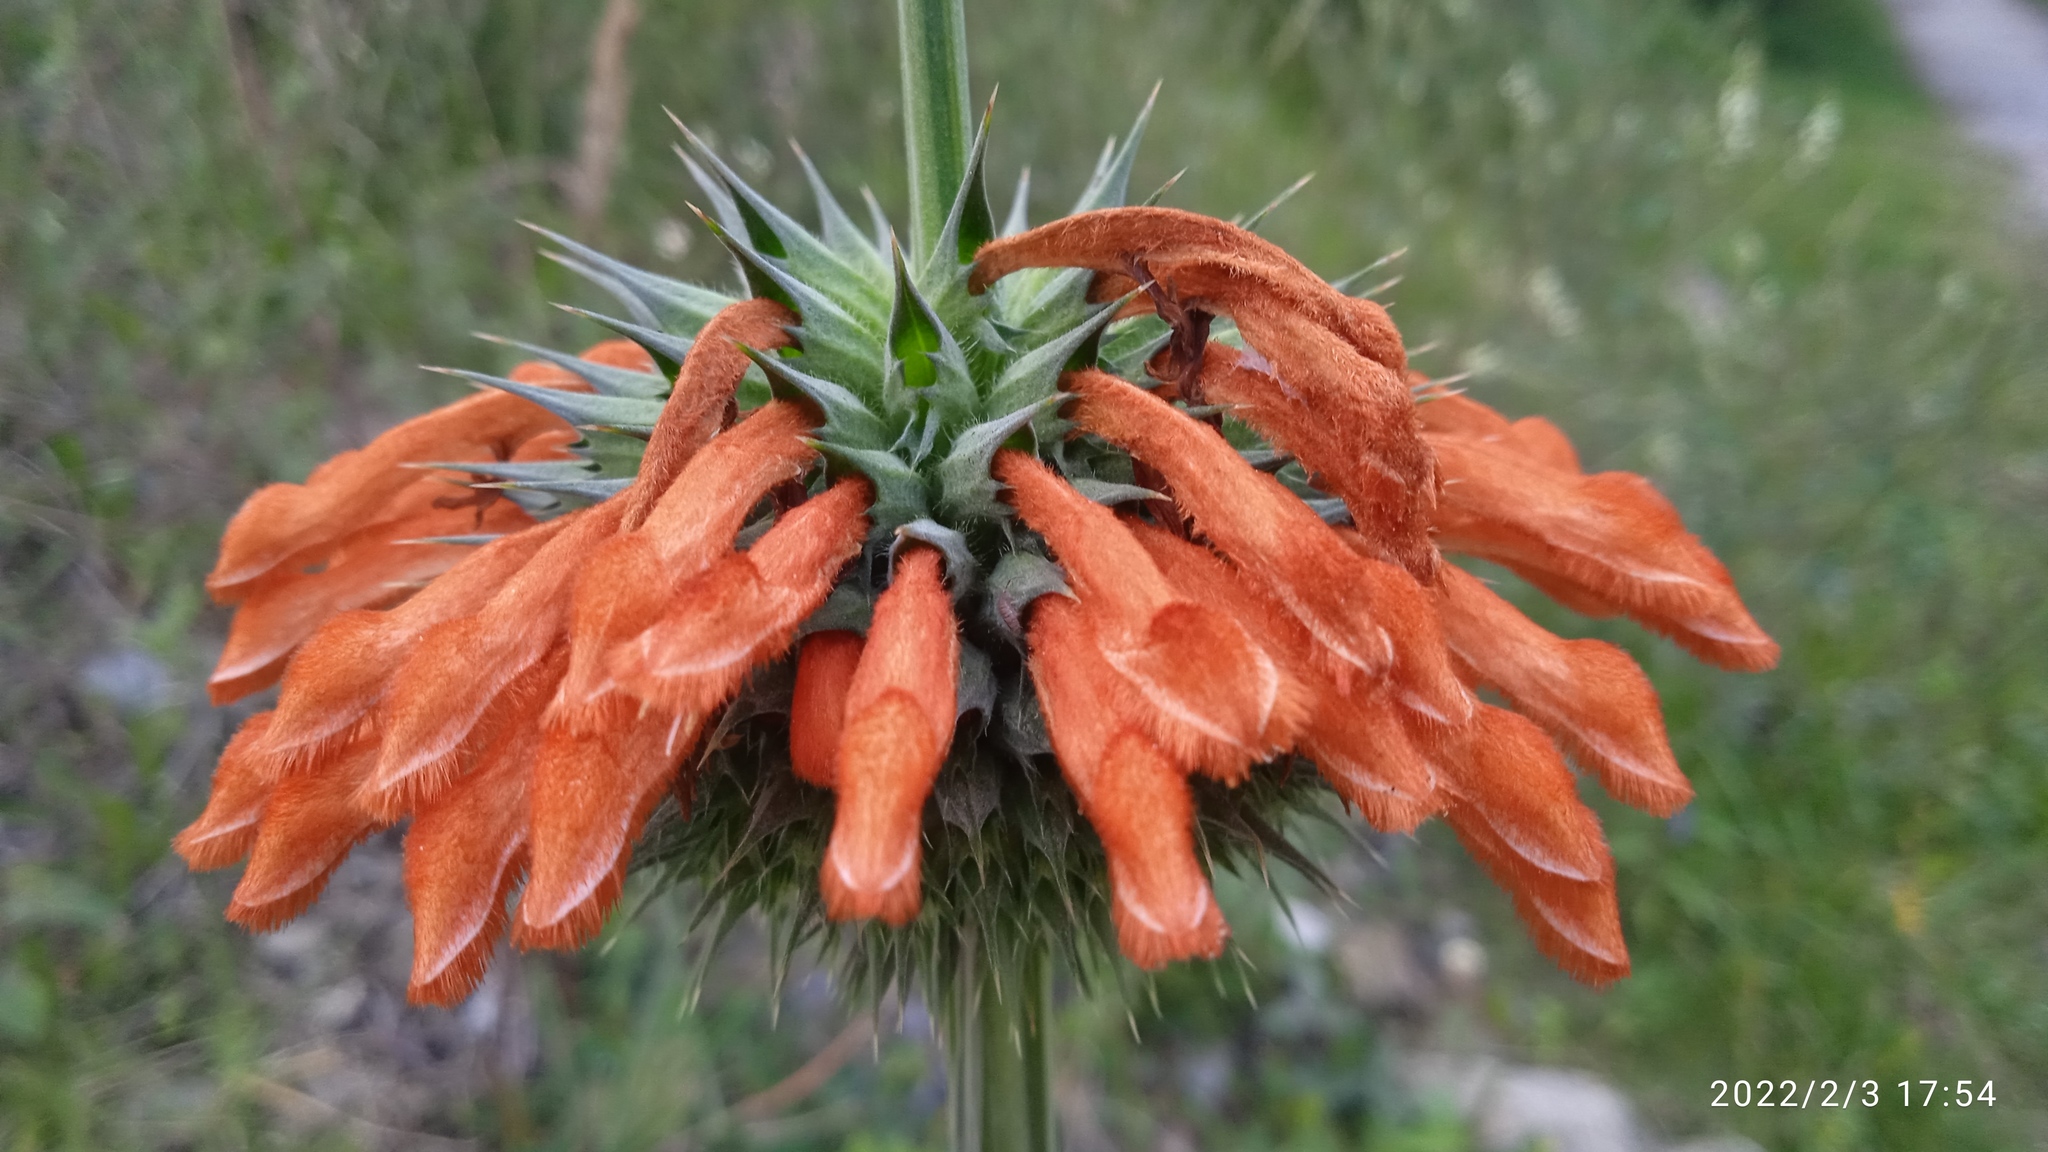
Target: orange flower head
[943, 578]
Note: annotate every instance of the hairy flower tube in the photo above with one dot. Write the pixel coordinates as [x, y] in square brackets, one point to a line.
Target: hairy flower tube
[846, 593]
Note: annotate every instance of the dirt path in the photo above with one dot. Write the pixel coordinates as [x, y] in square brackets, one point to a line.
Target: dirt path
[1988, 61]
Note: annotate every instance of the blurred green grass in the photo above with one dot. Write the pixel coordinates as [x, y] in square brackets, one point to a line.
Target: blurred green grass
[1731, 248]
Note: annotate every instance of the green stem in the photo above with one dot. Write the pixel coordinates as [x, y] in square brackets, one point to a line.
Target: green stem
[999, 1074]
[937, 121]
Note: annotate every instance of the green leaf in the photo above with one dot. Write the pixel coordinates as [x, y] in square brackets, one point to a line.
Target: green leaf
[605, 378]
[841, 234]
[1036, 374]
[677, 306]
[595, 489]
[848, 420]
[624, 414]
[668, 351]
[900, 495]
[1111, 493]
[1019, 219]
[1112, 180]
[539, 471]
[965, 487]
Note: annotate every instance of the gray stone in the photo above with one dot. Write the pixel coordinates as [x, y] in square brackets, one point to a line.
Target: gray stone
[1555, 1108]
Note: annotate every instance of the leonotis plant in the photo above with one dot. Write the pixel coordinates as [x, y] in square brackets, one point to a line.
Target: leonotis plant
[959, 602]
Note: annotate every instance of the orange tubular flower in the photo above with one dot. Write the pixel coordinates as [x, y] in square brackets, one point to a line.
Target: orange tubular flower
[817, 706]
[1129, 790]
[899, 725]
[1002, 557]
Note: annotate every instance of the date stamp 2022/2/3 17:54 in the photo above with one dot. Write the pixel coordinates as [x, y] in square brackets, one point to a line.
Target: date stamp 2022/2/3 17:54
[1789, 1093]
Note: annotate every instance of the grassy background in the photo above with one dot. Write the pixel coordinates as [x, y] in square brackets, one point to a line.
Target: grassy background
[1727, 246]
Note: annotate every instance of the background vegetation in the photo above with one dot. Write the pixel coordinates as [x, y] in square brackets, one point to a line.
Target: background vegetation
[1726, 246]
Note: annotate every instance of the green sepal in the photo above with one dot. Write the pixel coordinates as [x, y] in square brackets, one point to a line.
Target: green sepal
[539, 505]
[847, 609]
[722, 204]
[523, 471]
[847, 420]
[1343, 283]
[922, 356]
[472, 539]
[1019, 218]
[1251, 223]
[1111, 182]
[969, 223]
[760, 277]
[606, 379]
[877, 220]
[1160, 192]
[1110, 492]
[1036, 374]
[774, 233]
[676, 305]
[617, 413]
[965, 487]
[900, 495]
[594, 489]
[975, 687]
[1266, 459]
[833, 338]
[1330, 508]
[668, 351]
[635, 304]
[840, 232]
[962, 570]
[1019, 578]
[1124, 353]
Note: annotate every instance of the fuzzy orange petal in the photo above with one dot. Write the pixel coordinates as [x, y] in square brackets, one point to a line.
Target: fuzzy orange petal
[900, 713]
[460, 666]
[817, 706]
[390, 795]
[703, 389]
[1365, 614]
[226, 830]
[624, 588]
[591, 796]
[1177, 244]
[465, 852]
[284, 520]
[373, 567]
[1576, 923]
[746, 609]
[1610, 537]
[1356, 739]
[1205, 690]
[309, 825]
[1130, 792]
[1587, 694]
[335, 680]
[1512, 778]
